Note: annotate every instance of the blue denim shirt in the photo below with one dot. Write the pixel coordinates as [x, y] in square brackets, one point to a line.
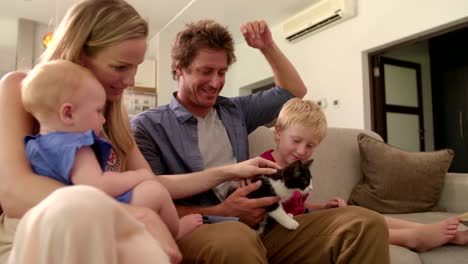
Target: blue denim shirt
[168, 137]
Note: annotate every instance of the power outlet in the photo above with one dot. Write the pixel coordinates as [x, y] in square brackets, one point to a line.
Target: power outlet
[336, 103]
[322, 103]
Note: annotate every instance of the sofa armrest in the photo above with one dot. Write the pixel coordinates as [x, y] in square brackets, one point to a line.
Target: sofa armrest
[455, 193]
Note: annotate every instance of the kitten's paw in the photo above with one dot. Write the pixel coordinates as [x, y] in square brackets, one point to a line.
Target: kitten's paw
[291, 215]
[291, 225]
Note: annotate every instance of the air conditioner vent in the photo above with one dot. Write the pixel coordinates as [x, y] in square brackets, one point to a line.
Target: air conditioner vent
[321, 14]
[314, 27]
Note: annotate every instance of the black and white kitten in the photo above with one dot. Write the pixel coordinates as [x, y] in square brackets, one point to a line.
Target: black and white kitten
[283, 183]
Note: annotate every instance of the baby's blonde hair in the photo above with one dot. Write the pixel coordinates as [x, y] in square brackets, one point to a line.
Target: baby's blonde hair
[50, 84]
[304, 113]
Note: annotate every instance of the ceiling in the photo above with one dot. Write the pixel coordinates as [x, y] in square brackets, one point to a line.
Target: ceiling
[161, 12]
[49, 11]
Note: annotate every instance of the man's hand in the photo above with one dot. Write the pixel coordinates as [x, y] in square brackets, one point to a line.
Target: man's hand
[252, 167]
[257, 34]
[250, 211]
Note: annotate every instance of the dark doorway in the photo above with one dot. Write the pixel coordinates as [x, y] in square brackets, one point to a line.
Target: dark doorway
[445, 101]
[449, 67]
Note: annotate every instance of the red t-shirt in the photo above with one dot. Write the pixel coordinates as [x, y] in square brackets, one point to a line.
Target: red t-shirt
[295, 205]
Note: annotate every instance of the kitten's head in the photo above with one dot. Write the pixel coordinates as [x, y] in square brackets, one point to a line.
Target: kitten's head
[297, 176]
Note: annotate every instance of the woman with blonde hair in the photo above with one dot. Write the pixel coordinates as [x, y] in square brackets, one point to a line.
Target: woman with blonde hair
[109, 38]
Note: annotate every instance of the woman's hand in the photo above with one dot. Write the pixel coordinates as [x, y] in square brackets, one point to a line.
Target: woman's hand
[252, 167]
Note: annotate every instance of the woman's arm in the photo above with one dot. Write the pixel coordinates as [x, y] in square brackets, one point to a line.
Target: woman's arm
[15, 172]
[185, 185]
[87, 171]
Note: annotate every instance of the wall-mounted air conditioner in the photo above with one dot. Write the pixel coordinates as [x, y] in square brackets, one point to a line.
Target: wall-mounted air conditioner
[317, 16]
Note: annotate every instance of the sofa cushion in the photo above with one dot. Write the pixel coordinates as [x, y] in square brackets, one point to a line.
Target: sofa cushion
[397, 181]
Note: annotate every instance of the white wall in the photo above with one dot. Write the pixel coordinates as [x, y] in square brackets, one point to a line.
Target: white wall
[9, 32]
[333, 62]
[40, 32]
[165, 85]
[21, 44]
[25, 45]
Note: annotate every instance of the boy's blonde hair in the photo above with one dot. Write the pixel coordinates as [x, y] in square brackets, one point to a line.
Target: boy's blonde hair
[90, 26]
[50, 84]
[305, 113]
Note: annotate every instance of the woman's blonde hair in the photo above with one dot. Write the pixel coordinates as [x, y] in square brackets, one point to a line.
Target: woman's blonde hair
[89, 26]
[304, 113]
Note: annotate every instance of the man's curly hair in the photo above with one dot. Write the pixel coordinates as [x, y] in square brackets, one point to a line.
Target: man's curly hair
[202, 34]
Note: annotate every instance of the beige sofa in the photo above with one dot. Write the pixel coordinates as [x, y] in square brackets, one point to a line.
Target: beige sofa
[336, 170]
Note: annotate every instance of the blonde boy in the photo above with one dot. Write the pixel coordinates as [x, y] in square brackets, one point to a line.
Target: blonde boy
[300, 128]
[68, 102]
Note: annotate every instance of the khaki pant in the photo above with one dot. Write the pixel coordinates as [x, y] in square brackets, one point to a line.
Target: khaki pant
[74, 225]
[341, 235]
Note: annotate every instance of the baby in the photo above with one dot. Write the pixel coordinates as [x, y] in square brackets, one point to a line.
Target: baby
[69, 104]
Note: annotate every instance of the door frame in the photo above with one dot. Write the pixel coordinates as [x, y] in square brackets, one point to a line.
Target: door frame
[380, 108]
[374, 94]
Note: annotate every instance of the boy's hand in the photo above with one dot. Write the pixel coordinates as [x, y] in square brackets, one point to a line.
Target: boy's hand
[335, 202]
[249, 211]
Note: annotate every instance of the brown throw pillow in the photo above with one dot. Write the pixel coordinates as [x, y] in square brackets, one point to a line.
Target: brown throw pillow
[396, 181]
